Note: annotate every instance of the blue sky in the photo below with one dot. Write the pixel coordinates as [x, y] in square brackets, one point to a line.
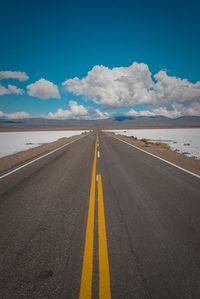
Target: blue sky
[60, 40]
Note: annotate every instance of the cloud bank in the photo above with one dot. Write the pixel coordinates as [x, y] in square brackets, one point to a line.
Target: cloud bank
[43, 89]
[135, 85]
[134, 88]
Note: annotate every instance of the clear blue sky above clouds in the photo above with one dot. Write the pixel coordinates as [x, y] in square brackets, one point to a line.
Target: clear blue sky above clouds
[60, 40]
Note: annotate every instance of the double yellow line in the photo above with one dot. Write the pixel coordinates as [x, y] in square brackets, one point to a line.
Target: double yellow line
[87, 268]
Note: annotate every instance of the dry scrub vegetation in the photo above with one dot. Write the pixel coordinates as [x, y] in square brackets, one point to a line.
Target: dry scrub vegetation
[148, 143]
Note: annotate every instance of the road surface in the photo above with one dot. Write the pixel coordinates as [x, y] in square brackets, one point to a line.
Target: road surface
[99, 219]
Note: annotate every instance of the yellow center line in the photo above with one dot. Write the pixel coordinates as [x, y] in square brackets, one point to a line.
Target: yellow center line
[87, 268]
[104, 272]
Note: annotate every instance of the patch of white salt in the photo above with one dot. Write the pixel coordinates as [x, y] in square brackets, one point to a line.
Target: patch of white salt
[13, 142]
[186, 141]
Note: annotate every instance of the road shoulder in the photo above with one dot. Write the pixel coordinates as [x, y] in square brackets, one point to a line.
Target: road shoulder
[10, 162]
[163, 151]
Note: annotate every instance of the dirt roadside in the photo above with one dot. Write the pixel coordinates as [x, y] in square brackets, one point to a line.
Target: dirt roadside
[10, 162]
[164, 151]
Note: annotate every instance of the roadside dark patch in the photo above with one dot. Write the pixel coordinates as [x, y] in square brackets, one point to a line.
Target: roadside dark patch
[42, 229]
[45, 274]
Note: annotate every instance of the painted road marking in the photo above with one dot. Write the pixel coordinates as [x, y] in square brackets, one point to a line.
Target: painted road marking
[87, 268]
[37, 159]
[98, 154]
[170, 163]
[104, 272]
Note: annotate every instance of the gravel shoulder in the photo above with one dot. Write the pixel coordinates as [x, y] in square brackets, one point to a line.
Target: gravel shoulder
[164, 151]
[10, 162]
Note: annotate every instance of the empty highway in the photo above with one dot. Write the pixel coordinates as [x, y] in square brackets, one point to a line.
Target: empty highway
[99, 219]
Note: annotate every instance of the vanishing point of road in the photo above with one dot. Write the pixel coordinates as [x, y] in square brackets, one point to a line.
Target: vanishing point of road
[99, 219]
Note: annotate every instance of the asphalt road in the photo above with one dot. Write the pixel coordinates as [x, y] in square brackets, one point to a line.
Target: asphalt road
[99, 219]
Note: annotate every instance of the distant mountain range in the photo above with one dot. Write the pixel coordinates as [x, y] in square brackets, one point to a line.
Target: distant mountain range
[115, 122]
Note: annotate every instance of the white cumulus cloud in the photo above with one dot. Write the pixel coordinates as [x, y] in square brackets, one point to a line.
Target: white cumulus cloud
[136, 113]
[21, 76]
[175, 90]
[43, 89]
[10, 89]
[15, 115]
[115, 87]
[173, 111]
[77, 111]
[3, 90]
